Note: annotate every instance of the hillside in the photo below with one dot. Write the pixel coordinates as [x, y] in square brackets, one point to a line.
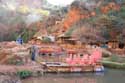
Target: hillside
[23, 17]
[93, 20]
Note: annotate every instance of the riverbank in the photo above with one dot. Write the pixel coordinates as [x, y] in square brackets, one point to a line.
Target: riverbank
[9, 79]
[112, 63]
[21, 71]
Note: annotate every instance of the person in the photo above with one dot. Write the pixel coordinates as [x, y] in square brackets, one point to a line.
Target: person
[19, 40]
[34, 52]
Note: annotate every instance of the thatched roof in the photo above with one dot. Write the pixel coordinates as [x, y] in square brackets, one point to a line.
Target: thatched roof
[63, 35]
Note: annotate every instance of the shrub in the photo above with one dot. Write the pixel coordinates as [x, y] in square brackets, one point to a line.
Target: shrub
[114, 65]
[24, 74]
[105, 55]
[114, 58]
[46, 40]
[14, 61]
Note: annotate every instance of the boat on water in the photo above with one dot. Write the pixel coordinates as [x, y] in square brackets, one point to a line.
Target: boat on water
[59, 67]
[73, 62]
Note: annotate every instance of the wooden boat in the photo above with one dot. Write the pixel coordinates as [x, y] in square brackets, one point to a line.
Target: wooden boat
[74, 62]
[59, 67]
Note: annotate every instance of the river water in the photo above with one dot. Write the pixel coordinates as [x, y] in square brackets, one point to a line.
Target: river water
[109, 76]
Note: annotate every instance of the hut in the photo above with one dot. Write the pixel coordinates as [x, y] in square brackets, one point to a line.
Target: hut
[116, 46]
[72, 41]
[113, 44]
[61, 39]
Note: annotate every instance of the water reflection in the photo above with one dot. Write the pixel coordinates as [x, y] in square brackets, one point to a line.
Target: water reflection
[110, 76]
[99, 73]
[61, 80]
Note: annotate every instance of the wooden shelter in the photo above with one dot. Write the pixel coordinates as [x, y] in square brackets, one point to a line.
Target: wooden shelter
[112, 44]
[62, 38]
[72, 41]
[115, 44]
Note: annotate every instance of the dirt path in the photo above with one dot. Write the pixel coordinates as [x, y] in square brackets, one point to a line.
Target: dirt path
[9, 68]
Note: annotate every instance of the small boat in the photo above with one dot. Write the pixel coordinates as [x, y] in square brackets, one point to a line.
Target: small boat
[99, 69]
[51, 67]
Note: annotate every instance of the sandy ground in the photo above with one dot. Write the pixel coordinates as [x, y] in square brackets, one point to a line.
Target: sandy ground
[14, 68]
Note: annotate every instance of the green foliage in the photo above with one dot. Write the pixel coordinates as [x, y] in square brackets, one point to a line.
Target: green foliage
[69, 32]
[15, 62]
[116, 58]
[118, 14]
[122, 9]
[104, 20]
[46, 40]
[122, 12]
[11, 36]
[24, 74]
[114, 64]
[113, 58]
[113, 21]
[112, 13]
[97, 10]
[27, 34]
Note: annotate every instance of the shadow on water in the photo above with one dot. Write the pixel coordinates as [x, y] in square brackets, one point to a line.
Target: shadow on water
[109, 76]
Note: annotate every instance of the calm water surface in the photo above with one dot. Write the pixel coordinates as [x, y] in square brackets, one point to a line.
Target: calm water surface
[109, 76]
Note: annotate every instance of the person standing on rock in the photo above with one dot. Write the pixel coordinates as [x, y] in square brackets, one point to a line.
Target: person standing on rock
[19, 40]
[34, 52]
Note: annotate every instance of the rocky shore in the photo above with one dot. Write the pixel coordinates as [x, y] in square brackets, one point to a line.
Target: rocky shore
[9, 79]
